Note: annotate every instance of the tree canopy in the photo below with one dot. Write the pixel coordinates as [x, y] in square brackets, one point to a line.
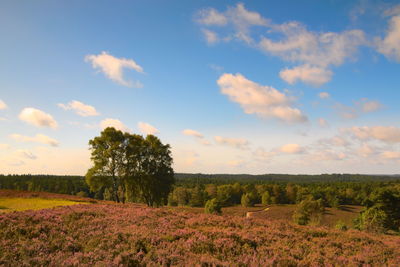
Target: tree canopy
[131, 167]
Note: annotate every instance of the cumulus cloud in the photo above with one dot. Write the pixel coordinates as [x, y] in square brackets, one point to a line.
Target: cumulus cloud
[390, 44]
[292, 149]
[264, 101]
[37, 118]
[211, 16]
[312, 75]
[233, 142]
[113, 67]
[328, 155]
[365, 150]
[2, 105]
[210, 36]
[324, 95]
[39, 138]
[80, 108]
[361, 106]
[190, 132]
[238, 16]
[147, 128]
[388, 134]
[117, 124]
[313, 53]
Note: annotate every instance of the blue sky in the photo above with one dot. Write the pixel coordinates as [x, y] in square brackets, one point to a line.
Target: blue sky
[234, 87]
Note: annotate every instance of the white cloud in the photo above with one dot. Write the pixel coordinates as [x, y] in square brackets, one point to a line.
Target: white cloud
[117, 124]
[210, 36]
[365, 150]
[233, 142]
[315, 52]
[113, 67]
[25, 154]
[390, 155]
[205, 142]
[292, 149]
[2, 105]
[369, 106]
[147, 128]
[390, 44]
[239, 17]
[39, 138]
[388, 134]
[322, 122]
[324, 95]
[210, 16]
[37, 117]
[261, 154]
[363, 105]
[264, 101]
[335, 141]
[190, 132]
[312, 75]
[80, 108]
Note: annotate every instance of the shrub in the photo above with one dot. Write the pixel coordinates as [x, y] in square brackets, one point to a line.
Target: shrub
[372, 220]
[247, 200]
[340, 225]
[309, 212]
[213, 206]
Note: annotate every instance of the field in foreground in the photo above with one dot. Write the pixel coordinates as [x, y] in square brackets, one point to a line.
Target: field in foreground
[105, 234]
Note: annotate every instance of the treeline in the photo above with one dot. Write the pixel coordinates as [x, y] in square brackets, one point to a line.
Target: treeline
[199, 178]
[332, 194]
[71, 185]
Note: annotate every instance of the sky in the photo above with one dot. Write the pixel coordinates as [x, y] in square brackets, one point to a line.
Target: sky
[299, 87]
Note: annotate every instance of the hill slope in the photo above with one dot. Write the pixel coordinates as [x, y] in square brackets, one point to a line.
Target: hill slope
[130, 235]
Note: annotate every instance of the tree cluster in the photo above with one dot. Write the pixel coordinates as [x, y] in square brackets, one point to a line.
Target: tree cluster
[129, 167]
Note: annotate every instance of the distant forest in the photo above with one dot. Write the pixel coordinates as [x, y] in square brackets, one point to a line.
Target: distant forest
[73, 185]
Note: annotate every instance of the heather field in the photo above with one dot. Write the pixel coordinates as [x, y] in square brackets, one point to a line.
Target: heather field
[106, 234]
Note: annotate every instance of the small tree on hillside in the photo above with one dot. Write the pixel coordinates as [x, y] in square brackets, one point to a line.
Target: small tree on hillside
[213, 206]
[309, 211]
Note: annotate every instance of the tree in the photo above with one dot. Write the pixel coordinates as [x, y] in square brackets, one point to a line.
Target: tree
[130, 165]
[107, 153]
[213, 206]
[309, 211]
[266, 198]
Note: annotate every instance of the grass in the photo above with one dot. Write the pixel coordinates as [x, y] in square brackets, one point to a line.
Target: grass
[20, 204]
[345, 214]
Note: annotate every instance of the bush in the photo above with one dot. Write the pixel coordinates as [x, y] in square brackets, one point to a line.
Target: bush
[309, 212]
[340, 225]
[247, 200]
[213, 206]
[372, 220]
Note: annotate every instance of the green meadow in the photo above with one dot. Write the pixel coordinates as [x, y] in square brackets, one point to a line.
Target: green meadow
[20, 204]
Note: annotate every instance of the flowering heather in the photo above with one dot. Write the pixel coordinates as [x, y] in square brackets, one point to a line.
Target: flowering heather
[131, 235]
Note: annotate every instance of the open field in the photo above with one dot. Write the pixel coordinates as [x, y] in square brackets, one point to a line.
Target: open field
[107, 234]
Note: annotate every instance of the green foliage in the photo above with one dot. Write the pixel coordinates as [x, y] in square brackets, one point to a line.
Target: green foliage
[248, 200]
[130, 166]
[266, 198]
[340, 225]
[309, 212]
[382, 212]
[213, 206]
[373, 220]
